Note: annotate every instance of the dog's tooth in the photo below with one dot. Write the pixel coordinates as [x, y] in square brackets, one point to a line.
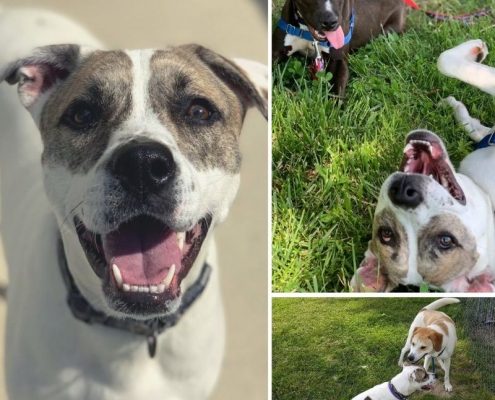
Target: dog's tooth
[153, 289]
[141, 289]
[126, 287]
[181, 237]
[134, 288]
[146, 289]
[117, 275]
[170, 275]
[161, 288]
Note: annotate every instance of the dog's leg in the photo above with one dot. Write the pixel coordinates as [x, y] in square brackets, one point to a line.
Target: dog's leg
[462, 62]
[476, 130]
[427, 362]
[445, 364]
[340, 77]
[396, 22]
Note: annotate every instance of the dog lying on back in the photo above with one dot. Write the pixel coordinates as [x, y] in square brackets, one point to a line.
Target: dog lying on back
[326, 30]
[431, 225]
[410, 380]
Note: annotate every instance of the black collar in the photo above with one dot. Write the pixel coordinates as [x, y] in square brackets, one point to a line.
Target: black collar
[395, 392]
[83, 311]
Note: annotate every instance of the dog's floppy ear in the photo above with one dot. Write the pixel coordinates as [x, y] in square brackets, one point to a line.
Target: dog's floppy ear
[436, 340]
[368, 277]
[248, 79]
[40, 70]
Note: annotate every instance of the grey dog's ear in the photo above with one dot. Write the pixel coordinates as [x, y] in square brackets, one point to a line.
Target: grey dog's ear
[248, 79]
[40, 70]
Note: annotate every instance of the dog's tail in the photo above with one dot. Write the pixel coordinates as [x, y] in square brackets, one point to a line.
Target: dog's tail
[441, 302]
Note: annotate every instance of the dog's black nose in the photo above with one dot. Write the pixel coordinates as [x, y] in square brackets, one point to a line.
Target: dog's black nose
[410, 357]
[329, 22]
[405, 190]
[143, 166]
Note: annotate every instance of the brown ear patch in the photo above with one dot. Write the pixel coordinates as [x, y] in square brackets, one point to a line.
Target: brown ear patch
[436, 339]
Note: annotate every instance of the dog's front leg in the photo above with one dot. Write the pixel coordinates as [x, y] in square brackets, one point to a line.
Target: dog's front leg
[445, 364]
[426, 364]
[462, 62]
[403, 352]
[473, 126]
[340, 77]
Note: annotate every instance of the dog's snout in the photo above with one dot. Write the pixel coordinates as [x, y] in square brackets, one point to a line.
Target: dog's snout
[410, 357]
[329, 22]
[406, 191]
[143, 166]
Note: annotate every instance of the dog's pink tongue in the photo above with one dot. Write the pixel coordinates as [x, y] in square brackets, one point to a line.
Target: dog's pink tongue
[336, 38]
[143, 251]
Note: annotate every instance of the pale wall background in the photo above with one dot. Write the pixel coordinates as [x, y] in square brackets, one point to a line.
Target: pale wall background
[235, 28]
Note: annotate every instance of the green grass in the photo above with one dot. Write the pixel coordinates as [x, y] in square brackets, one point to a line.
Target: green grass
[330, 158]
[333, 349]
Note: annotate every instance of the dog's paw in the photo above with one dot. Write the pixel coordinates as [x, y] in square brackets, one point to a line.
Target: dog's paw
[400, 363]
[473, 50]
[448, 387]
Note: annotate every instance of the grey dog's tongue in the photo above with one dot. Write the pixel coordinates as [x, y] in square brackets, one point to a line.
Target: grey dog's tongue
[144, 251]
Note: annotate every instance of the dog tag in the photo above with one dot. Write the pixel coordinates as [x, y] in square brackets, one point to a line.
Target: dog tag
[151, 339]
[318, 63]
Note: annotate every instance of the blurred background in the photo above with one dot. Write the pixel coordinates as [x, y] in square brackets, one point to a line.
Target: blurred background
[234, 29]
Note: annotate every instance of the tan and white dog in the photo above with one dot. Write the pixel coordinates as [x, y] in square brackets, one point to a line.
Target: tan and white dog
[432, 335]
[140, 161]
[411, 379]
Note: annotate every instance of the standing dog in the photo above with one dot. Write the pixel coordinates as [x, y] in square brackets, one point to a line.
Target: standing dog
[432, 335]
[140, 161]
[431, 225]
[410, 380]
[326, 30]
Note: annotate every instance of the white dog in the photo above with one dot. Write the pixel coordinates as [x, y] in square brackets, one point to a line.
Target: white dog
[140, 161]
[432, 224]
[432, 335]
[464, 63]
[410, 380]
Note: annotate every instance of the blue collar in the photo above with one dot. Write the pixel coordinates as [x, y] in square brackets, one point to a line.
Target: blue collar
[487, 141]
[395, 392]
[306, 35]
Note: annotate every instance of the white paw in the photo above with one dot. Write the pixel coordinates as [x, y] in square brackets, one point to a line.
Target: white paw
[472, 50]
[451, 101]
[401, 363]
[448, 387]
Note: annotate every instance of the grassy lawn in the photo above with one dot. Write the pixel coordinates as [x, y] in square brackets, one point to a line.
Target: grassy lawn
[333, 349]
[330, 158]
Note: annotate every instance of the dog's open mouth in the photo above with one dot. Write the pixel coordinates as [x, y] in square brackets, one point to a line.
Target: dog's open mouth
[424, 154]
[336, 37]
[143, 262]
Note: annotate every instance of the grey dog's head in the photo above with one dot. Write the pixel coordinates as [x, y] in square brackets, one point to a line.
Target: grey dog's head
[140, 159]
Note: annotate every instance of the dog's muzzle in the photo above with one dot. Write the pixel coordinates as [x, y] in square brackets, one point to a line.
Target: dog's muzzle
[143, 167]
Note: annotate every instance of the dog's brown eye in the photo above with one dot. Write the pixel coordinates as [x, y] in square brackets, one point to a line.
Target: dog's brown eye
[80, 116]
[423, 347]
[386, 235]
[201, 112]
[83, 116]
[198, 112]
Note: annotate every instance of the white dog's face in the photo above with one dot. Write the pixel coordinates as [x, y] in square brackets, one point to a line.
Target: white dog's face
[417, 378]
[141, 159]
[430, 223]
